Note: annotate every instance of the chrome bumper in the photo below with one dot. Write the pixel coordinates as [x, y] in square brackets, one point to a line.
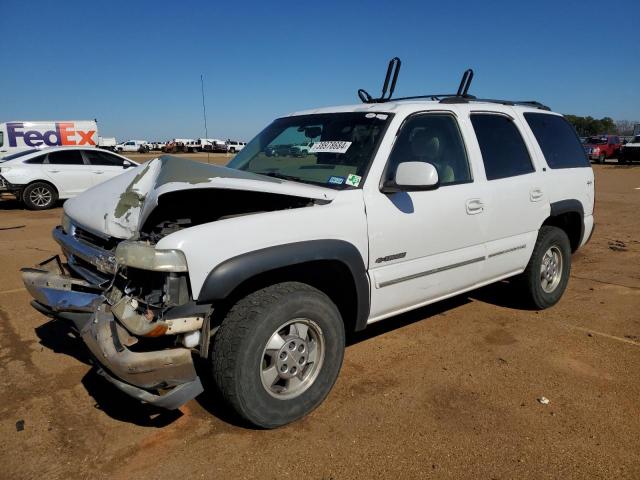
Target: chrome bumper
[103, 260]
[51, 286]
[136, 373]
[140, 374]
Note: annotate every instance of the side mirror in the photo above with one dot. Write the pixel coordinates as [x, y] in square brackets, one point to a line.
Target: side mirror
[413, 177]
[126, 164]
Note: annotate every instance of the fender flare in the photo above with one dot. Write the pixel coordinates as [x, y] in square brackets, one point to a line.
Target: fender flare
[228, 275]
[569, 206]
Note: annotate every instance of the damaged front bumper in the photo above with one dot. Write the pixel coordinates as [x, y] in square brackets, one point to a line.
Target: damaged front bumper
[165, 377]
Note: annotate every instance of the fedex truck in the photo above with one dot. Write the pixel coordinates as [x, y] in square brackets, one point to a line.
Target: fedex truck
[18, 136]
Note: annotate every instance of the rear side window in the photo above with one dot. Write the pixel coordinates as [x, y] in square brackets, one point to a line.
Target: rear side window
[102, 158]
[66, 157]
[36, 160]
[1, 138]
[558, 140]
[504, 152]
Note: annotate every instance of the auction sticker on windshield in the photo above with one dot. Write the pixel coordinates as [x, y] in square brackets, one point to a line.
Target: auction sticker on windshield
[330, 147]
[353, 180]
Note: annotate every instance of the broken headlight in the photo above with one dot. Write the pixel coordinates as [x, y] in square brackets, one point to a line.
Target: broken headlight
[146, 257]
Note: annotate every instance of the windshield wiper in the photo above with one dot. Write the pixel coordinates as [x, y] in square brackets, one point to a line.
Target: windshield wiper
[282, 176]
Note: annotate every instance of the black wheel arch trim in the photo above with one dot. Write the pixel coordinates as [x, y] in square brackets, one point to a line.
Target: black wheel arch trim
[228, 275]
[569, 206]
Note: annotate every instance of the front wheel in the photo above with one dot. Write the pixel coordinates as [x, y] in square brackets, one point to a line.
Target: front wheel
[547, 274]
[278, 353]
[39, 196]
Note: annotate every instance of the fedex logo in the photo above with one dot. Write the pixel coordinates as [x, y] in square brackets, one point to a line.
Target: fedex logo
[63, 133]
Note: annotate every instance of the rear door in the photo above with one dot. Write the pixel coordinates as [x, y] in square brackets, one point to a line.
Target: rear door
[104, 165]
[516, 203]
[68, 172]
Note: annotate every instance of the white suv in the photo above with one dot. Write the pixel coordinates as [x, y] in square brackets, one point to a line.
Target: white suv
[264, 266]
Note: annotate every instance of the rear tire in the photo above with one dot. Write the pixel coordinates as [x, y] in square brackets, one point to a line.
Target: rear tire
[39, 196]
[546, 277]
[259, 355]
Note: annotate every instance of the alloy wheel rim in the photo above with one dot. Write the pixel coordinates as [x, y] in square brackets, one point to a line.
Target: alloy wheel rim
[551, 269]
[292, 358]
[40, 196]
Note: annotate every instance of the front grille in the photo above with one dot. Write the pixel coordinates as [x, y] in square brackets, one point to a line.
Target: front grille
[94, 240]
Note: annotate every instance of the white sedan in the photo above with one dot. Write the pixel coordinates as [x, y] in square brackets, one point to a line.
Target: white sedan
[40, 177]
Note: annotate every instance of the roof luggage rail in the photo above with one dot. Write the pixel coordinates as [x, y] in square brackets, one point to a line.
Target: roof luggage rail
[461, 96]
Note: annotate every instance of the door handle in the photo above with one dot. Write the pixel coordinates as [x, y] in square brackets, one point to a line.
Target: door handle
[53, 171]
[536, 194]
[474, 206]
[98, 171]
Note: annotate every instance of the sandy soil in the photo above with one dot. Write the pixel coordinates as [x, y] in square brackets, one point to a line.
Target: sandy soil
[448, 391]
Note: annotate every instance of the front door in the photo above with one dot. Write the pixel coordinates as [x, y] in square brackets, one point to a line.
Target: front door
[425, 245]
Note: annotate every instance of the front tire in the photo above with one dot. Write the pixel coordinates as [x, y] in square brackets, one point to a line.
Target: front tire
[39, 196]
[546, 277]
[278, 353]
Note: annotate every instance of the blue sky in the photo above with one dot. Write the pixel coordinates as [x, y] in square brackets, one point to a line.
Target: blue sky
[136, 65]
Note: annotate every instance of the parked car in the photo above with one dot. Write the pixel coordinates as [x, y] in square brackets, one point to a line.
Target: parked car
[630, 151]
[219, 146]
[301, 150]
[601, 147]
[40, 177]
[131, 145]
[107, 143]
[264, 266]
[234, 146]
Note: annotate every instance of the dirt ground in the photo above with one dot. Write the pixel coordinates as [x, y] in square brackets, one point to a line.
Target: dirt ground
[448, 391]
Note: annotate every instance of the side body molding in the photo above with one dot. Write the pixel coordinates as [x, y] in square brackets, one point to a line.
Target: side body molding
[228, 275]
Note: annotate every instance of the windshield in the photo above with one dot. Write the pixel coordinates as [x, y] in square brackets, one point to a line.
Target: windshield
[596, 141]
[333, 150]
[19, 154]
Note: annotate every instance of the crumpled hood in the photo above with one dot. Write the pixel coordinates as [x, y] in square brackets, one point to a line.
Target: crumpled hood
[119, 207]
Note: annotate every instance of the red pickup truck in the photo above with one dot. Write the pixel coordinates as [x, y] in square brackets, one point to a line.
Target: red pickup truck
[601, 147]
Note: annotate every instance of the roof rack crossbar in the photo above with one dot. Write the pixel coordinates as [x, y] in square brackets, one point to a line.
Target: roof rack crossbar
[461, 96]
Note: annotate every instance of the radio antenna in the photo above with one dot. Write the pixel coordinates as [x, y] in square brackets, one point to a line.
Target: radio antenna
[204, 114]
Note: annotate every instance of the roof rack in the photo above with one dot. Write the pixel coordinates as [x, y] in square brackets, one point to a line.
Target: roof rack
[461, 96]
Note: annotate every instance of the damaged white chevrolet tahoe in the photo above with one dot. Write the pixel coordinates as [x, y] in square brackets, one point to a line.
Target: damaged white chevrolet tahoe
[261, 268]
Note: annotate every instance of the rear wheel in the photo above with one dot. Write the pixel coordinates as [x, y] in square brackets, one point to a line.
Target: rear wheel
[39, 196]
[547, 274]
[278, 352]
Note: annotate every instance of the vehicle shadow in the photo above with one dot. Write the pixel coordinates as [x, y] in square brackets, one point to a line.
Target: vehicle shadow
[506, 294]
[10, 203]
[59, 337]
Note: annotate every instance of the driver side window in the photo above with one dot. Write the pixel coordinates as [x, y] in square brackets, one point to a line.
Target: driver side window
[432, 138]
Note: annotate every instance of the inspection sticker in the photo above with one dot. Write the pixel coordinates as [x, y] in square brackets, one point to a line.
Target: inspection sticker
[336, 180]
[353, 180]
[330, 147]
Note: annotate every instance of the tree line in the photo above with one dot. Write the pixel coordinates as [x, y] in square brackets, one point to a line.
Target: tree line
[587, 126]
